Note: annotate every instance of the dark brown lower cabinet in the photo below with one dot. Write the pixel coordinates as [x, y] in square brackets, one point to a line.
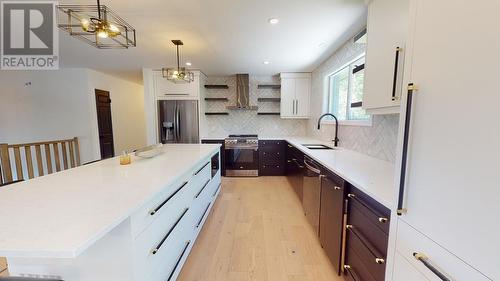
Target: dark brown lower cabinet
[367, 237]
[294, 169]
[331, 218]
[272, 158]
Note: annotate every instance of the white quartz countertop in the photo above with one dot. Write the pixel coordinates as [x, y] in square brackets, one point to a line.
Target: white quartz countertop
[62, 214]
[373, 176]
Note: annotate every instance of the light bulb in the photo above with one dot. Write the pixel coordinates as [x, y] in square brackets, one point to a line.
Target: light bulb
[114, 28]
[102, 34]
[85, 24]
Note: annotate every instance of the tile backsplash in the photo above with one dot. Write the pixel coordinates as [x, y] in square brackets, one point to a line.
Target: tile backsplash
[246, 121]
[378, 140]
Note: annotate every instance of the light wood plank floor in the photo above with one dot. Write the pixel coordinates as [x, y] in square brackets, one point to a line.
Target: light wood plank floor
[257, 231]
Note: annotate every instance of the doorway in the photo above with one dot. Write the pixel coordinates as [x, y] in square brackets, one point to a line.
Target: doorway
[104, 123]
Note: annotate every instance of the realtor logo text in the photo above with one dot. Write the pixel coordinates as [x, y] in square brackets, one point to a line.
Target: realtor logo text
[29, 35]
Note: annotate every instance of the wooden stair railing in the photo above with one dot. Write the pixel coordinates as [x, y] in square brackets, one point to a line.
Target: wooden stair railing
[54, 154]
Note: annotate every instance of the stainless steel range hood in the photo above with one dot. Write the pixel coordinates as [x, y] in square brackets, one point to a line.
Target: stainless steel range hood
[242, 93]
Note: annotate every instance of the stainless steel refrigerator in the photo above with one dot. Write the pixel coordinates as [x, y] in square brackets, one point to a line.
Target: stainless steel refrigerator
[178, 121]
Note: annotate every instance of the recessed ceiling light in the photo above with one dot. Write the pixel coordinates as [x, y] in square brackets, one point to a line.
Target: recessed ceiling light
[265, 62]
[273, 20]
[188, 63]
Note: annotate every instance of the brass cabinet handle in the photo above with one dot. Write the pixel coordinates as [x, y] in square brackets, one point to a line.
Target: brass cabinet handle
[349, 270]
[337, 188]
[383, 220]
[427, 263]
[349, 226]
[379, 260]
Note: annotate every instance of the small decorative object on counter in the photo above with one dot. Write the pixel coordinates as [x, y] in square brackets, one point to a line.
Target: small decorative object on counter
[149, 151]
[125, 158]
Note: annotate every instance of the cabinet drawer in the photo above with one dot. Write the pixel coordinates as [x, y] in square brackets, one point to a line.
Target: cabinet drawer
[160, 205]
[377, 214]
[267, 143]
[269, 157]
[403, 270]
[271, 170]
[373, 262]
[410, 241]
[365, 227]
[169, 269]
[354, 269]
[157, 241]
[200, 178]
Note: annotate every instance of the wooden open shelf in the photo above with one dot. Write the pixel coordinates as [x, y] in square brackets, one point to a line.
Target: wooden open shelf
[216, 86]
[216, 99]
[268, 113]
[216, 113]
[269, 99]
[268, 86]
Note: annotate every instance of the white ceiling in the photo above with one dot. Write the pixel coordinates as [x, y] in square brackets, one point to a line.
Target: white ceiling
[222, 37]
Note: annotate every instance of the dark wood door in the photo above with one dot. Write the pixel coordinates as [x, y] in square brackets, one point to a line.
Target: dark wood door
[104, 122]
[331, 219]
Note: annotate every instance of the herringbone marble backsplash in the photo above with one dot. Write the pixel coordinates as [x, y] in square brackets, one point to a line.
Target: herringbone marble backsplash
[378, 140]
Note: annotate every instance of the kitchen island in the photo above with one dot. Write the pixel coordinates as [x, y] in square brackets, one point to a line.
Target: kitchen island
[104, 221]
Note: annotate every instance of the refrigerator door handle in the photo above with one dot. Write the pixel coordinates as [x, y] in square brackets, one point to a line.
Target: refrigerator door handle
[176, 124]
[179, 122]
[404, 158]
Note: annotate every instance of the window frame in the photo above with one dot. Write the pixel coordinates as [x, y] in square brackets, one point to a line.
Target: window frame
[329, 97]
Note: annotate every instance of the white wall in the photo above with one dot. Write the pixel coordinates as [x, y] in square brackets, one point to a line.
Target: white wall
[378, 140]
[127, 110]
[47, 105]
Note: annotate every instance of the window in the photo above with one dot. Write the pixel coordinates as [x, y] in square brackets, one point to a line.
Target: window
[346, 92]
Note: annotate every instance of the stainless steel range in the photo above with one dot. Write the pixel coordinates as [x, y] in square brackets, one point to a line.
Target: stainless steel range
[242, 155]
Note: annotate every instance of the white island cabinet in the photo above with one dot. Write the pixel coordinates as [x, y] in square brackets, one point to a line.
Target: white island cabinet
[109, 222]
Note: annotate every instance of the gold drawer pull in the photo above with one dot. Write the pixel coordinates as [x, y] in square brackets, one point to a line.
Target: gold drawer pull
[379, 260]
[383, 220]
[337, 188]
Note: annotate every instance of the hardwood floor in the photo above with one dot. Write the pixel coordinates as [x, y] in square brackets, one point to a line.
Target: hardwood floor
[257, 231]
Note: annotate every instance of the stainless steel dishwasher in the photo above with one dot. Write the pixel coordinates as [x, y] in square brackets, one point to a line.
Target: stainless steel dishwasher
[311, 192]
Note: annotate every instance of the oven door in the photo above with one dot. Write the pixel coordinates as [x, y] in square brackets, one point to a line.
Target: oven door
[242, 162]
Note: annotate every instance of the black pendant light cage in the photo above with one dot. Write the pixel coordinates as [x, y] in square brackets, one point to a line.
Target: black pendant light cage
[71, 17]
[179, 74]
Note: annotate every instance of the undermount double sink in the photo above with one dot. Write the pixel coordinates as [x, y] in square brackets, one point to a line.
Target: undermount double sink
[317, 146]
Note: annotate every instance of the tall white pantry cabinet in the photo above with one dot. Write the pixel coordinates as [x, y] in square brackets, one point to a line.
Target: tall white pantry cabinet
[449, 208]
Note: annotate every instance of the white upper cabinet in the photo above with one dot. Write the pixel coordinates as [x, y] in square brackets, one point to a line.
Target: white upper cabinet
[387, 32]
[295, 95]
[165, 89]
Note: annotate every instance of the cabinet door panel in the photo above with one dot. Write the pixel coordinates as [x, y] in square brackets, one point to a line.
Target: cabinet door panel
[287, 97]
[451, 188]
[331, 220]
[387, 29]
[302, 95]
